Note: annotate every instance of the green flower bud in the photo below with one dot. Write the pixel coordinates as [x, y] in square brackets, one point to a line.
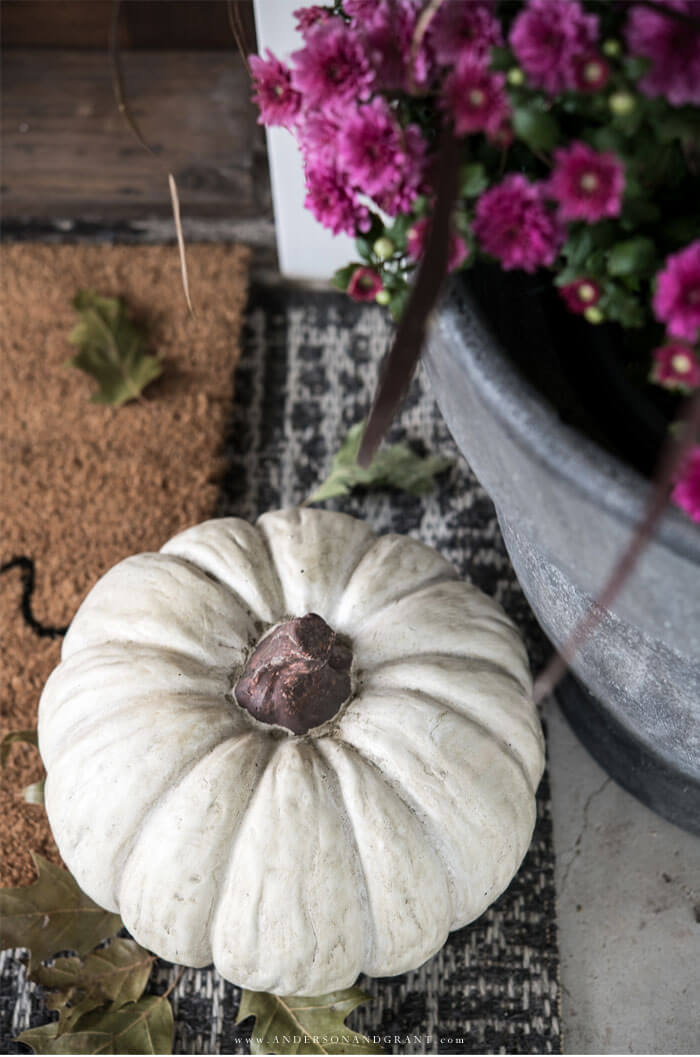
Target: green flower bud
[622, 103]
[384, 248]
[516, 77]
[383, 297]
[593, 315]
[611, 48]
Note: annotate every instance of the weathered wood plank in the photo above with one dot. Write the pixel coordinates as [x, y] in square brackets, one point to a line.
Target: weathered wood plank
[68, 152]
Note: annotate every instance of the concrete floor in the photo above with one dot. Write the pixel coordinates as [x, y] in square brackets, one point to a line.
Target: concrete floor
[628, 890]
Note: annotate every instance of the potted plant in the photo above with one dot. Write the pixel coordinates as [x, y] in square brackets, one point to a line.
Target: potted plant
[569, 336]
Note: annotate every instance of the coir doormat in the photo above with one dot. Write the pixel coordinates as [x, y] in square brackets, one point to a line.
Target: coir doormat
[83, 484]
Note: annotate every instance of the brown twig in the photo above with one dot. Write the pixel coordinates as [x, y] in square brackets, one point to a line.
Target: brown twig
[125, 111]
[672, 457]
[419, 31]
[405, 351]
[236, 27]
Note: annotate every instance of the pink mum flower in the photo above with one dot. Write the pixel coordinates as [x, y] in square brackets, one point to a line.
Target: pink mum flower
[677, 297]
[580, 294]
[676, 367]
[672, 46]
[359, 9]
[278, 102]
[549, 38]
[587, 185]
[364, 284]
[370, 148]
[331, 201]
[389, 35]
[464, 29]
[686, 493]
[332, 69]
[513, 224]
[415, 245]
[308, 16]
[476, 98]
[410, 182]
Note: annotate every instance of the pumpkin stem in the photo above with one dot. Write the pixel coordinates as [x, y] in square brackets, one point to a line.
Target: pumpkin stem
[297, 677]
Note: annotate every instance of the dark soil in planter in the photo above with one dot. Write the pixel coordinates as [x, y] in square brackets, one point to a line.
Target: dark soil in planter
[595, 376]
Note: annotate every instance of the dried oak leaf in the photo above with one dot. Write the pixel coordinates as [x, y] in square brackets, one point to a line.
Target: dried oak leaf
[52, 915]
[303, 1024]
[111, 349]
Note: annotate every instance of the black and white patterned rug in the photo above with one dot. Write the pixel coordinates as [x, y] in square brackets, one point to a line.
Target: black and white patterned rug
[306, 375]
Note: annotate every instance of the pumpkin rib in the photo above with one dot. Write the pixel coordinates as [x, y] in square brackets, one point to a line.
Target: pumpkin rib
[470, 720]
[153, 804]
[376, 962]
[217, 542]
[166, 778]
[87, 667]
[327, 542]
[472, 665]
[262, 750]
[401, 757]
[319, 746]
[386, 553]
[408, 801]
[235, 596]
[113, 601]
[291, 913]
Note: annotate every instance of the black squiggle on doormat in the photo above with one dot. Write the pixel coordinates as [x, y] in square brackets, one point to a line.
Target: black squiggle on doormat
[45, 631]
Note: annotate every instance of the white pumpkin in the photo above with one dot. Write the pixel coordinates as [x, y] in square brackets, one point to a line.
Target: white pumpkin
[292, 861]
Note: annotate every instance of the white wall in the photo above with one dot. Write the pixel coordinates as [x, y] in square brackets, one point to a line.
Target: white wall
[306, 250]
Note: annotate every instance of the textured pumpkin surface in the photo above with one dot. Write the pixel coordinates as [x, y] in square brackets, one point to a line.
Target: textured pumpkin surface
[292, 862]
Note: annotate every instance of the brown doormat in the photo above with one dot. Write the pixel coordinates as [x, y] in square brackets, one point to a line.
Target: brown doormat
[84, 485]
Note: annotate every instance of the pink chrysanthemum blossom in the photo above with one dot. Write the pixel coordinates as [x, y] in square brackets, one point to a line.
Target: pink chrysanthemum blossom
[277, 100]
[410, 181]
[415, 244]
[332, 69]
[359, 9]
[332, 202]
[476, 98]
[549, 38]
[580, 294]
[464, 29]
[686, 493]
[677, 297]
[308, 16]
[676, 367]
[588, 185]
[514, 224]
[591, 73]
[673, 48]
[316, 135]
[389, 34]
[370, 148]
[364, 284]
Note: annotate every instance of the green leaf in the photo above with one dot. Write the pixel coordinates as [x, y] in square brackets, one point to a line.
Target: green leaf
[52, 915]
[399, 230]
[535, 127]
[393, 467]
[364, 248]
[632, 257]
[111, 349]
[473, 179]
[305, 1025]
[141, 1027]
[117, 974]
[29, 737]
[34, 793]
[341, 278]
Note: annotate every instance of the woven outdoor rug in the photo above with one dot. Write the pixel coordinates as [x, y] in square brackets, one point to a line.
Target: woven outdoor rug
[306, 374]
